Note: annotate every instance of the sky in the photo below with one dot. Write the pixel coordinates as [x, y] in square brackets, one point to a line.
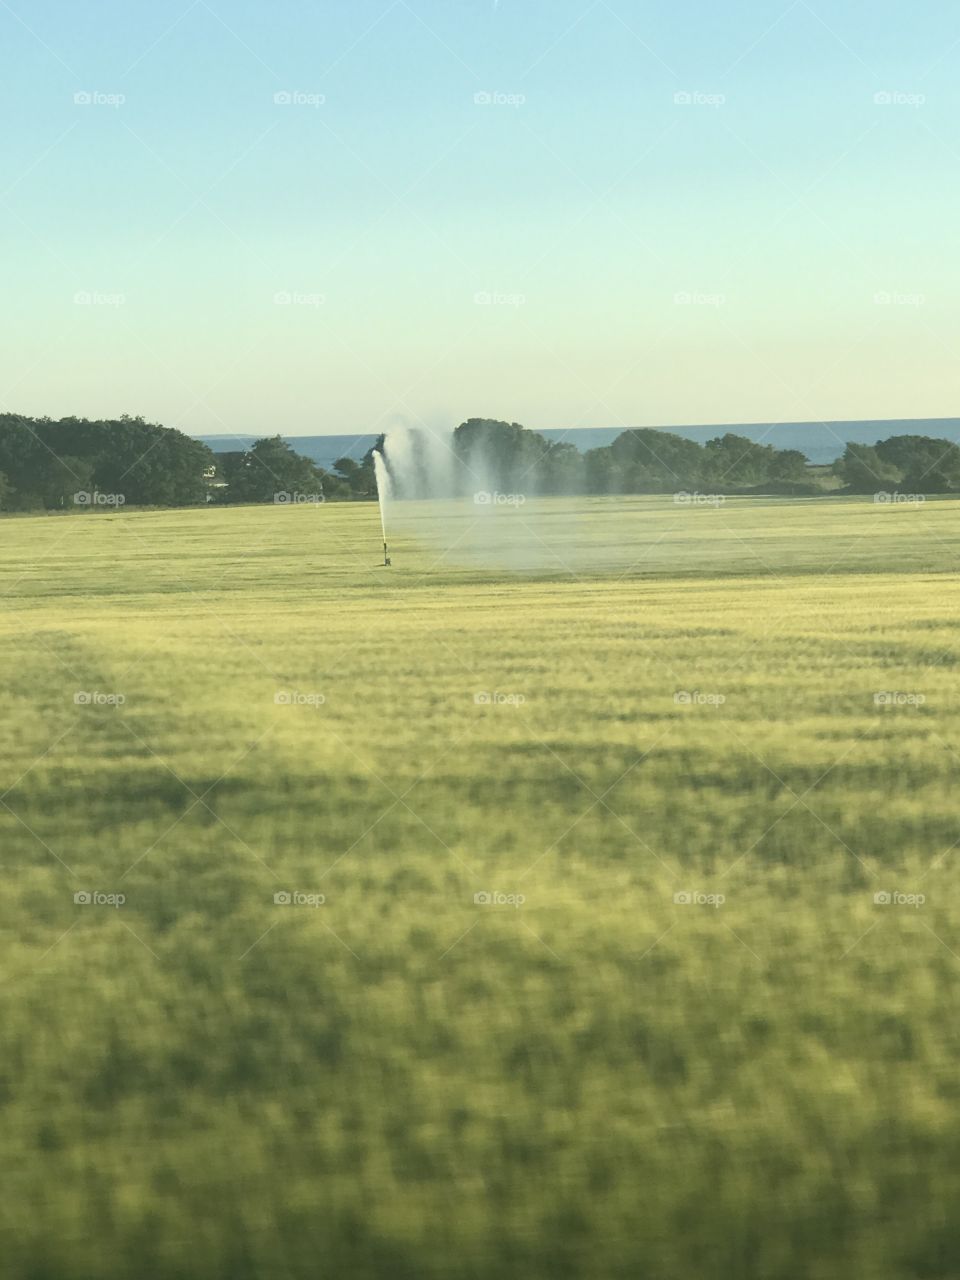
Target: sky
[322, 218]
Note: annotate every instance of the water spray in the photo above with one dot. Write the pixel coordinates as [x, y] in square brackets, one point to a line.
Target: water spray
[383, 489]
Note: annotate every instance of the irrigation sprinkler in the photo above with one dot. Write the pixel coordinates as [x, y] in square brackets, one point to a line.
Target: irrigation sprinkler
[383, 489]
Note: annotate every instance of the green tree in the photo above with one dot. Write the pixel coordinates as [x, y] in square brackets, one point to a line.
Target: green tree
[602, 473]
[864, 471]
[928, 465]
[733, 460]
[657, 462]
[65, 480]
[740, 462]
[23, 459]
[271, 471]
[355, 479]
[789, 464]
[229, 465]
[562, 469]
[151, 465]
[146, 463]
[500, 455]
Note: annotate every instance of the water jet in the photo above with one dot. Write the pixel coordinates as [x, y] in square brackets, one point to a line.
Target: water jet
[383, 489]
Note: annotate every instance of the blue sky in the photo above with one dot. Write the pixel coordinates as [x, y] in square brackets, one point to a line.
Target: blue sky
[324, 218]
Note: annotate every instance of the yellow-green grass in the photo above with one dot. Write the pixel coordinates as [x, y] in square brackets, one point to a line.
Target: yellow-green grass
[597, 707]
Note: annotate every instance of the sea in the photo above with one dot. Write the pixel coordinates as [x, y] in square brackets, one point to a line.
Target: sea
[821, 442]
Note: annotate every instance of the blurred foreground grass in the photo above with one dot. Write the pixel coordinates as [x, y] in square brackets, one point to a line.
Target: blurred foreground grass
[603, 708]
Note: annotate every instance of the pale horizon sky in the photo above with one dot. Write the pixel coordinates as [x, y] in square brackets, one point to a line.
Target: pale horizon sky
[322, 219]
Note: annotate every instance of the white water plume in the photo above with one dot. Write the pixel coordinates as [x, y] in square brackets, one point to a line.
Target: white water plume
[383, 488]
[455, 496]
[421, 463]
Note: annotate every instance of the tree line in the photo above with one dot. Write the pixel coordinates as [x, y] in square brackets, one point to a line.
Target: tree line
[908, 464]
[644, 460]
[48, 464]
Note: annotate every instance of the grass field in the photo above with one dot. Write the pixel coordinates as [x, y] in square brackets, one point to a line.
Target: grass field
[756, 703]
